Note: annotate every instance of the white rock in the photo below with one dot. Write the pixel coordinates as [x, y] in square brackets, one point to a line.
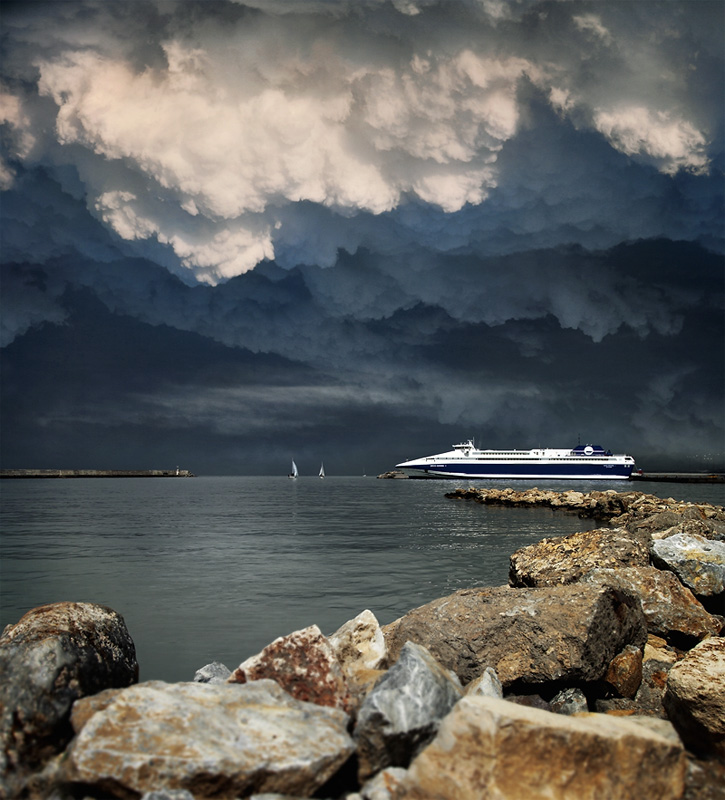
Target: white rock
[359, 643]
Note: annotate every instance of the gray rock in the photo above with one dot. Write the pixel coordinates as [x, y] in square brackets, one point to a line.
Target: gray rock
[402, 713]
[168, 794]
[569, 701]
[531, 636]
[529, 701]
[648, 700]
[606, 705]
[219, 739]
[53, 656]
[274, 796]
[698, 562]
[212, 673]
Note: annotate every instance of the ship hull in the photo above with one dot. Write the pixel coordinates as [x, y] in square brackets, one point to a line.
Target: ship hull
[588, 472]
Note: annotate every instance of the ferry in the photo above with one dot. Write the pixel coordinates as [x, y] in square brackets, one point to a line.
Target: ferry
[583, 462]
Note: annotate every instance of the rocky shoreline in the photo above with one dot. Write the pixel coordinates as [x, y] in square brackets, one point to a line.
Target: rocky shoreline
[597, 672]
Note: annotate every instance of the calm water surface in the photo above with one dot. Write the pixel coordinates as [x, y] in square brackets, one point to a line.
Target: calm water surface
[213, 569]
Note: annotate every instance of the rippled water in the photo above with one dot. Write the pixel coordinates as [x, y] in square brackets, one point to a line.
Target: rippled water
[215, 568]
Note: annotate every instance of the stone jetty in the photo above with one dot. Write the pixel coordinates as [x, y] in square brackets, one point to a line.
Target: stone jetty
[598, 671]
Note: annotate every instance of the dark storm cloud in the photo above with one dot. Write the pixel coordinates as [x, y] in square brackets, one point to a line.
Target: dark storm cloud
[403, 219]
[386, 379]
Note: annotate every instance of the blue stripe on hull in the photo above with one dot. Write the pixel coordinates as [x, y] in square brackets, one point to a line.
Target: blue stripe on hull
[524, 471]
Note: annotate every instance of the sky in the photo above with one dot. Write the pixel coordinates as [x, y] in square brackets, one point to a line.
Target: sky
[358, 231]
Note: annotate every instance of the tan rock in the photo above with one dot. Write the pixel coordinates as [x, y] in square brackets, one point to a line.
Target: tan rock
[565, 559]
[657, 648]
[386, 785]
[486, 684]
[487, 748]
[695, 696]
[362, 681]
[625, 671]
[671, 609]
[214, 740]
[83, 711]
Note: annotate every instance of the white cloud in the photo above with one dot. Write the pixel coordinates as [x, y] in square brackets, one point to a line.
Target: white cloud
[227, 151]
[592, 24]
[672, 142]
[20, 140]
[214, 134]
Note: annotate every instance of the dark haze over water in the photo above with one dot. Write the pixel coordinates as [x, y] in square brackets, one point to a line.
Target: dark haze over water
[213, 569]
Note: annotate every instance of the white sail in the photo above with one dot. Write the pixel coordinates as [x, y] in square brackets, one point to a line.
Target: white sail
[295, 473]
[322, 470]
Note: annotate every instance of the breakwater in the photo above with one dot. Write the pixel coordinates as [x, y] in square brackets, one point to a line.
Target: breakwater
[96, 473]
[599, 651]
[679, 477]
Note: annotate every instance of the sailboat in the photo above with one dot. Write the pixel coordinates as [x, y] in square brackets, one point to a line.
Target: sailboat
[322, 470]
[295, 473]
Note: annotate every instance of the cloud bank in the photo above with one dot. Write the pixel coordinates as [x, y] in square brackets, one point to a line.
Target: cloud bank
[471, 212]
[201, 127]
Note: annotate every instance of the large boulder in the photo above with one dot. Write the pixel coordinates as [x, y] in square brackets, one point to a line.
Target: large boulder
[698, 562]
[695, 696]
[304, 664]
[402, 713]
[54, 655]
[493, 748]
[671, 610]
[565, 559]
[213, 740]
[530, 636]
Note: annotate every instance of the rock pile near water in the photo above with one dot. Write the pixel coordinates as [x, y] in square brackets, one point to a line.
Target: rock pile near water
[599, 671]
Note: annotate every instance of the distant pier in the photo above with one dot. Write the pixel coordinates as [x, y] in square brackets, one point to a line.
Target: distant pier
[96, 473]
[679, 477]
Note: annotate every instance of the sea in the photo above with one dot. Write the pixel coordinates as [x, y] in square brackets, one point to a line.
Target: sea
[214, 568]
